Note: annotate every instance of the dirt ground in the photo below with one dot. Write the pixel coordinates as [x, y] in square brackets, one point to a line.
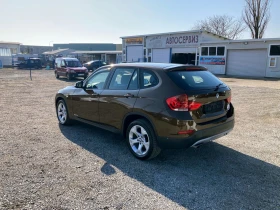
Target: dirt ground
[48, 166]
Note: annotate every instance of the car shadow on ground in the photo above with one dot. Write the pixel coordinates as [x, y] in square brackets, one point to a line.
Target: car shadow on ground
[212, 176]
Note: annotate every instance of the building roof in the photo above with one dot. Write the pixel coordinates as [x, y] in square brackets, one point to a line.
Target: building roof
[242, 40]
[87, 46]
[97, 52]
[54, 52]
[2, 42]
[177, 32]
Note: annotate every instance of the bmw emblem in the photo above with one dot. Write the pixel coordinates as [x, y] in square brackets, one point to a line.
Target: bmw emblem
[217, 95]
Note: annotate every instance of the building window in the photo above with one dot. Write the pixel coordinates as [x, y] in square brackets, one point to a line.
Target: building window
[5, 52]
[14, 50]
[212, 51]
[204, 51]
[220, 51]
[272, 62]
[149, 55]
[274, 50]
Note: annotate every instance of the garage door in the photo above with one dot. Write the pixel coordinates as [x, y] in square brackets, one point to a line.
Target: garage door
[184, 50]
[134, 53]
[246, 62]
[161, 55]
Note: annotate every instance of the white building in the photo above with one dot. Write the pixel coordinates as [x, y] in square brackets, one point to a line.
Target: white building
[7, 49]
[252, 57]
[256, 58]
[175, 47]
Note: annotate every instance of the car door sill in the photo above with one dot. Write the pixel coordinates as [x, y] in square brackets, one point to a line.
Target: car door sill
[99, 125]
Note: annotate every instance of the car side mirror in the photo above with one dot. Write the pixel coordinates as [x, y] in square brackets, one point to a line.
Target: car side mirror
[79, 84]
[63, 66]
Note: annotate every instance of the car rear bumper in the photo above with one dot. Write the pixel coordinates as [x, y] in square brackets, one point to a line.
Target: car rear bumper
[198, 138]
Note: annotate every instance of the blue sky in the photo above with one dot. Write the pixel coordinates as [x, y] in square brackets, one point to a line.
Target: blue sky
[104, 21]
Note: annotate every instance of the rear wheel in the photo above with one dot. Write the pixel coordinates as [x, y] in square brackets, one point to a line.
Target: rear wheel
[62, 113]
[141, 140]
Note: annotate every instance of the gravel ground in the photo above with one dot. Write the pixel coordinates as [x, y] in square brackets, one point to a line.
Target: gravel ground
[48, 166]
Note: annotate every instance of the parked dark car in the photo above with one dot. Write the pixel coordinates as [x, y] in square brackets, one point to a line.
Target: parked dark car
[30, 63]
[69, 68]
[154, 106]
[93, 65]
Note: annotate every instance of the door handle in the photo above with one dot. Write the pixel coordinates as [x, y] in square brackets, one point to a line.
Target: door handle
[129, 95]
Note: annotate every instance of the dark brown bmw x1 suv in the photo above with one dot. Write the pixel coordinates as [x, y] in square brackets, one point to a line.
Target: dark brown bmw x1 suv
[154, 106]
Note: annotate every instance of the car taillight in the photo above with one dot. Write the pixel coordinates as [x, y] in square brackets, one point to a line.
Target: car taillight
[181, 103]
[194, 106]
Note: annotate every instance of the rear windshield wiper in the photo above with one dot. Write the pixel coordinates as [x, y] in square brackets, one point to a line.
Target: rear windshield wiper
[217, 87]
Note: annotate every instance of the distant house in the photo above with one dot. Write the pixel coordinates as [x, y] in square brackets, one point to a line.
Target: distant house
[88, 46]
[33, 49]
[7, 49]
[108, 52]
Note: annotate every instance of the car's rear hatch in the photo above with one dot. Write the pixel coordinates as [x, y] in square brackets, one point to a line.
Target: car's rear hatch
[205, 97]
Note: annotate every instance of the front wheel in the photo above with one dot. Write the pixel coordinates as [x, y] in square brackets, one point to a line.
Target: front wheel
[56, 75]
[141, 140]
[68, 77]
[62, 113]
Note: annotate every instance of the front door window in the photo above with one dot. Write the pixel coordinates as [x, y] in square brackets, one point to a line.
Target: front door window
[97, 81]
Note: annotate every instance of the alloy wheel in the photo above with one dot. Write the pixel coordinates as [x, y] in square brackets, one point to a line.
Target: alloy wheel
[61, 113]
[139, 140]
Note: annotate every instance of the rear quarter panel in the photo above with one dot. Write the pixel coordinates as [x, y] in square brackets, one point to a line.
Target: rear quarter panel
[151, 102]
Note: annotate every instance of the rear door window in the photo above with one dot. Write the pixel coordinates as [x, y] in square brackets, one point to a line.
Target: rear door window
[194, 79]
[148, 79]
[121, 78]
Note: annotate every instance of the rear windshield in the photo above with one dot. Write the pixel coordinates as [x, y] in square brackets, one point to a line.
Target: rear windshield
[195, 79]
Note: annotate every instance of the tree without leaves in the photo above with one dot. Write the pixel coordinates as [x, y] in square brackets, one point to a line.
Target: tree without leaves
[256, 16]
[222, 25]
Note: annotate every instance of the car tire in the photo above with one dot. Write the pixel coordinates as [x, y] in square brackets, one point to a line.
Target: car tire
[62, 113]
[56, 75]
[68, 76]
[141, 140]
